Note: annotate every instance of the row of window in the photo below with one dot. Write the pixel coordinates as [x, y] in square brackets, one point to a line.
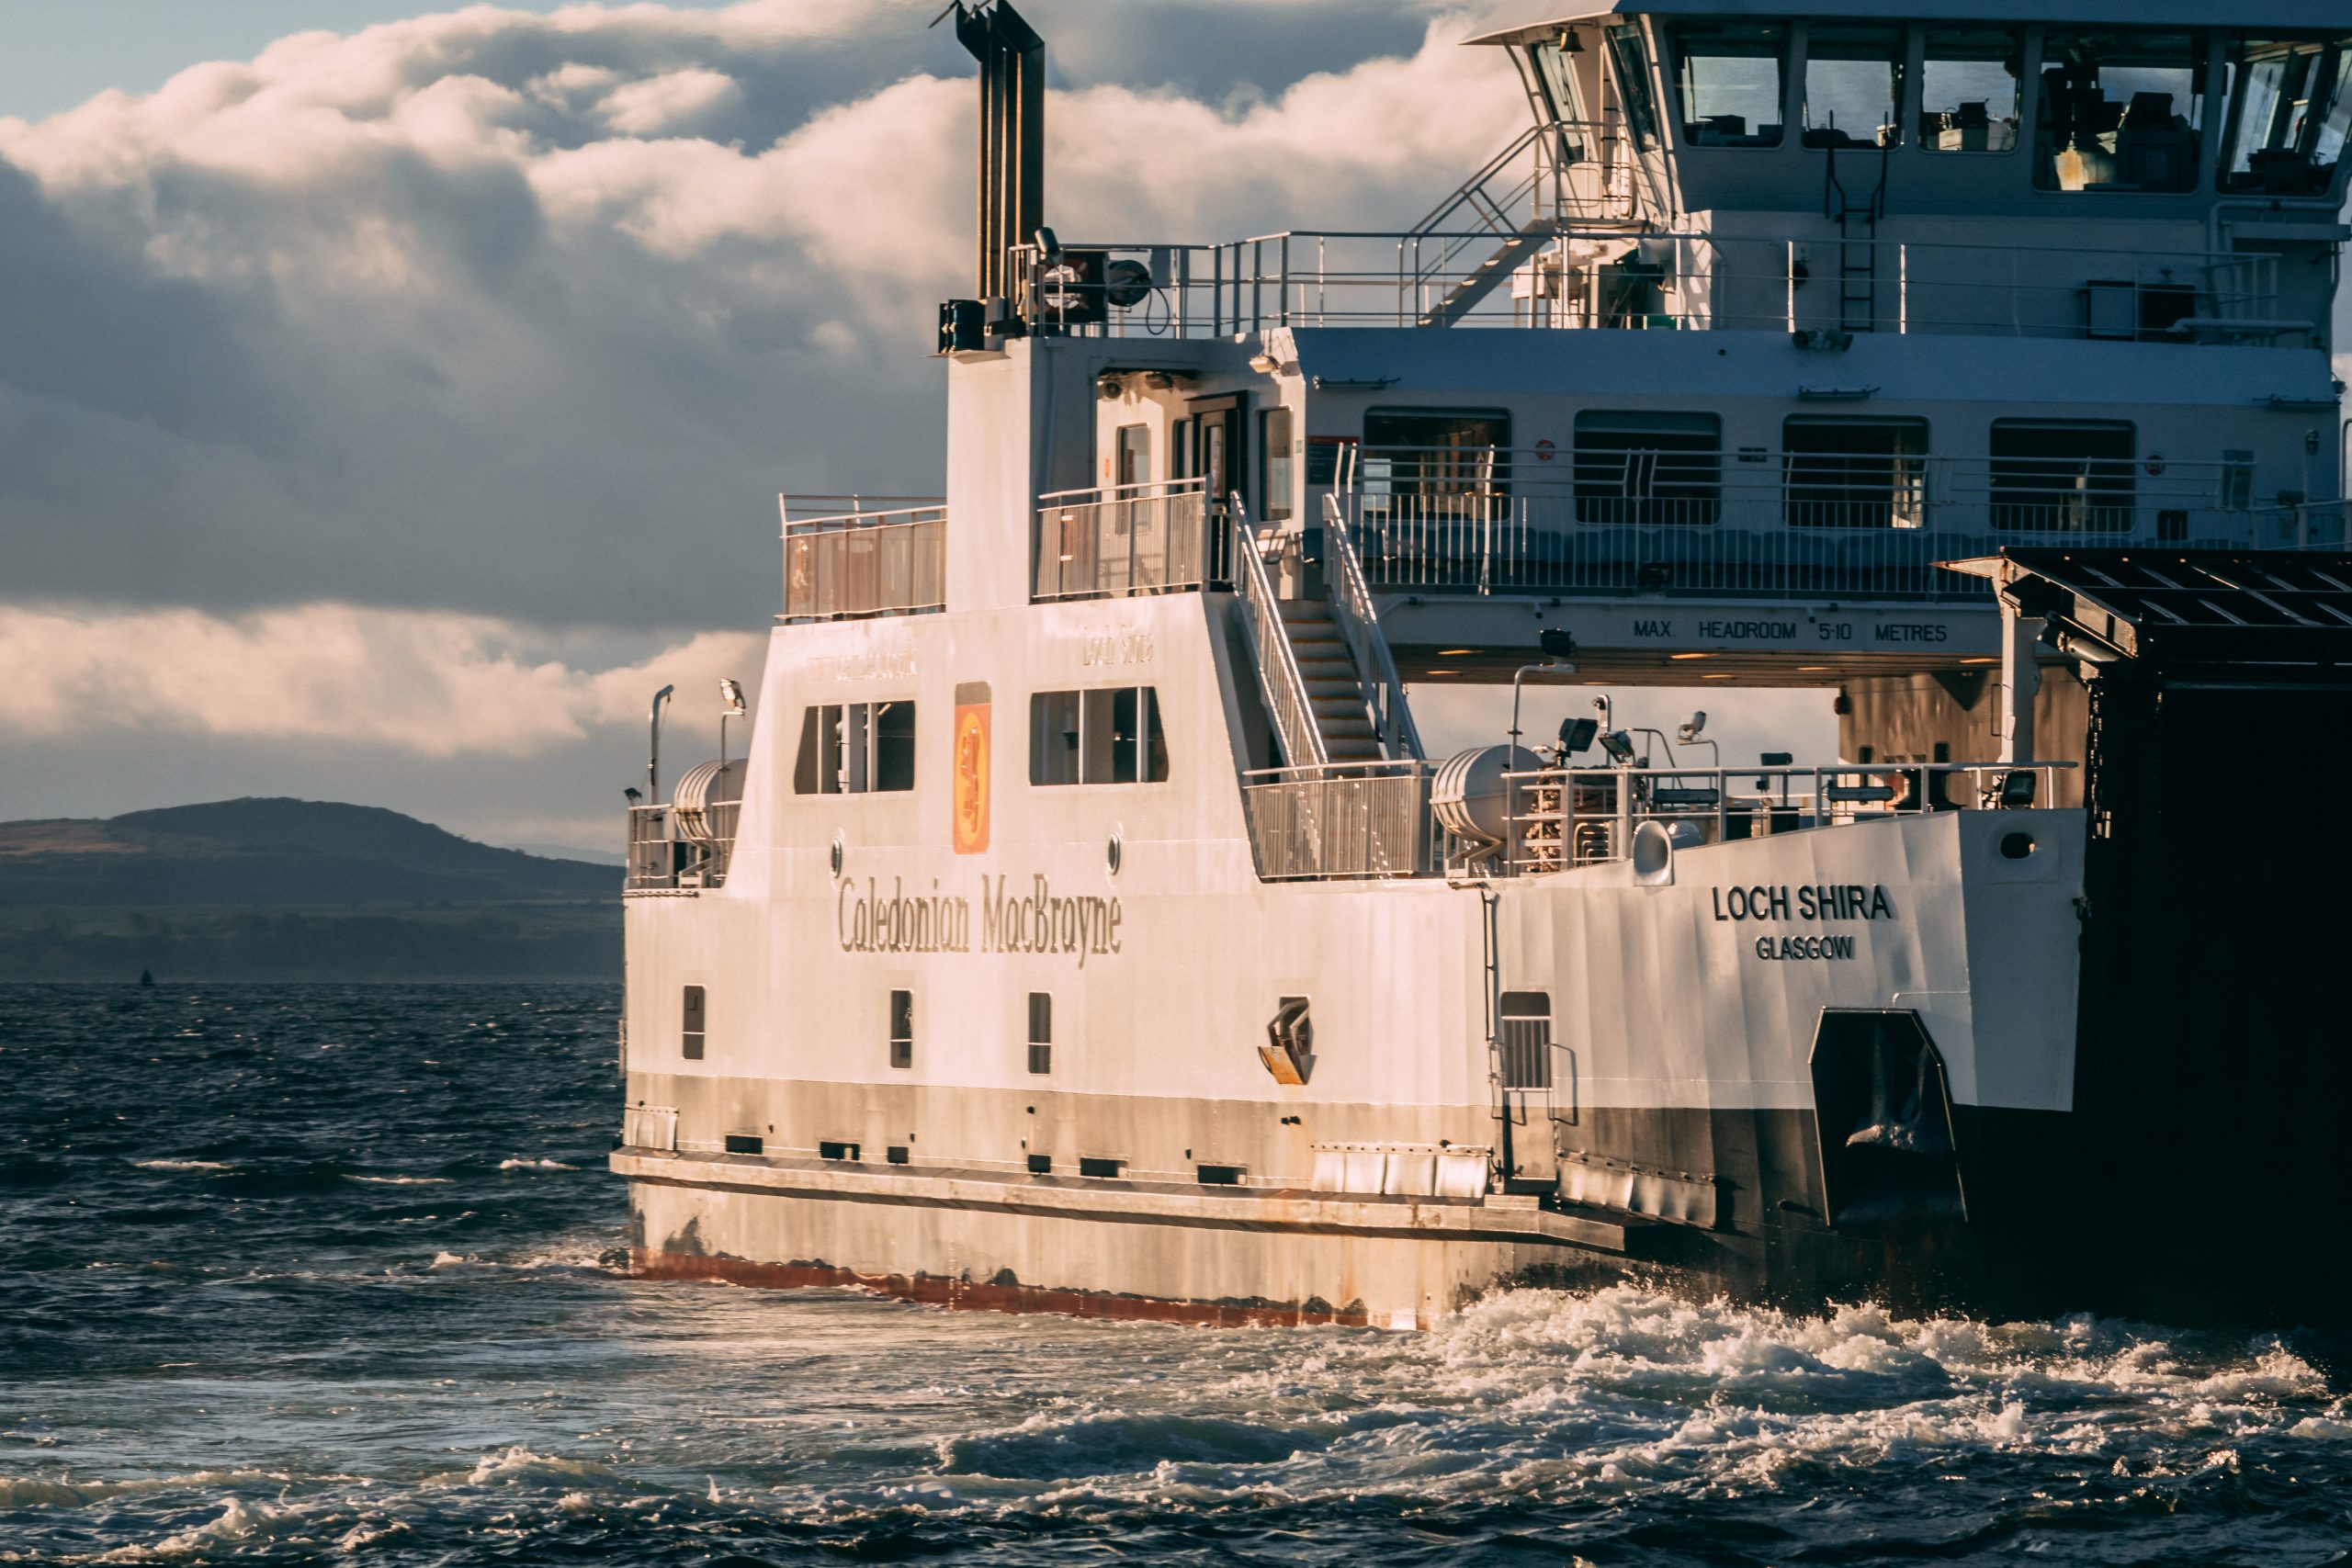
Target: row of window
[1525, 1018]
[694, 1031]
[1652, 467]
[2114, 108]
[1106, 735]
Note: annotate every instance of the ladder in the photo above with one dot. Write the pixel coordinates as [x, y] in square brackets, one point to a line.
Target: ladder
[1857, 241]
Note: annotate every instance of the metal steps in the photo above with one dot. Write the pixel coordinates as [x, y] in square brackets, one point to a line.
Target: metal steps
[1463, 297]
[1334, 692]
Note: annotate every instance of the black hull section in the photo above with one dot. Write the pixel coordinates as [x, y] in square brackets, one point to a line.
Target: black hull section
[2051, 1224]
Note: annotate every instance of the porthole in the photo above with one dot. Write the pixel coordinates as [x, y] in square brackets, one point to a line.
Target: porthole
[2016, 846]
[841, 852]
[1116, 852]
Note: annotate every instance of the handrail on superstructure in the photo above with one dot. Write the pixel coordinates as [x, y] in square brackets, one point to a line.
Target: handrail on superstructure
[1278, 674]
[1359, 622]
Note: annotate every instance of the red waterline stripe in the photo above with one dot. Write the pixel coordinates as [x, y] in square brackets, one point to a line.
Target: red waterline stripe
[969, 1295]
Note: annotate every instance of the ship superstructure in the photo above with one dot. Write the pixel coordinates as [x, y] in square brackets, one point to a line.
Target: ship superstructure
[1085, 926]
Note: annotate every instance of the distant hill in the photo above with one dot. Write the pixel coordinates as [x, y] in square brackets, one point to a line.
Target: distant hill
[274, 852]
[293, 889]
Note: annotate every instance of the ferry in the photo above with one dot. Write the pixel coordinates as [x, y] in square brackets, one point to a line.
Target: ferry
[1081, 925]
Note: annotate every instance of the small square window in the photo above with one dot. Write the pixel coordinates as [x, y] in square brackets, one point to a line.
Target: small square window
[1041, 1031]
[902, 1030]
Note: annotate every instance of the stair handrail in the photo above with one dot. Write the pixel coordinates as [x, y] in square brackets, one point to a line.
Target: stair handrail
[1279, 680]
[1359, 620]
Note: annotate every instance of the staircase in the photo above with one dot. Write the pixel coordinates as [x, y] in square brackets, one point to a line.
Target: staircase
[1463, 297]
[1335, 695]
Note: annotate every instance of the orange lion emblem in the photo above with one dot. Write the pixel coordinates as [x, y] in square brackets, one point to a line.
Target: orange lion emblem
[971, 824]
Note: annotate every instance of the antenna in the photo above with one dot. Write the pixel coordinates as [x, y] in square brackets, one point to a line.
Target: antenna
[1012, 135]
[653, 747]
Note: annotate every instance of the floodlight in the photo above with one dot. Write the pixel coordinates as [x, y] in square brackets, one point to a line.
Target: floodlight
[731, 691]
[1618, 744]
[1576, 735]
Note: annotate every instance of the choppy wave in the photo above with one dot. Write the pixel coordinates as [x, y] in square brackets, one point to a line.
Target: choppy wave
[363, 1331]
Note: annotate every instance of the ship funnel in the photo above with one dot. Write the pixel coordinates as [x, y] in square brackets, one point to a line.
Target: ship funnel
[1012, 135]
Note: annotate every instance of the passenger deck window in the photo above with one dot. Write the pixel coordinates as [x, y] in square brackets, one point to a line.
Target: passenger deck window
[1854, 473]
[855, 749]
[1971, 89]
[2062, 477]
[1853, 85]
[1649, 468]
[1446, 458]
[2120, 111]
[1732, 78]
[2291, 106]
[1110, 735]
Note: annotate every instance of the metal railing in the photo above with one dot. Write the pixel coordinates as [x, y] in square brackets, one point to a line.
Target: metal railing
[839, 565]
[1342, 821]
[1279, 680]
[1120, 539]
[1358, 619]
[1650, 511]
[1595, 274]
[1566, 816]
[662, 858]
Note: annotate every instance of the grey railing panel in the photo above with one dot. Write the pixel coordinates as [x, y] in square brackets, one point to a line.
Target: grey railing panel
[1278, 677]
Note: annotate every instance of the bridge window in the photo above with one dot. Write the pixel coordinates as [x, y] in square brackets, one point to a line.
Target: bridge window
[1853, 86]
[1630, 57]
[1108, 736]
[2290, 106]
[855, 749]
[2062, 477]
[1855, 473]
[1732, 78]
[1647, 467]
[1971, 89]
[2120, 111]
[1526, 1023]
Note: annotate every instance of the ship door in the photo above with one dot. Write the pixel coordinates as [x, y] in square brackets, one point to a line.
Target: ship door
[1217, 447]
[1529, 1088]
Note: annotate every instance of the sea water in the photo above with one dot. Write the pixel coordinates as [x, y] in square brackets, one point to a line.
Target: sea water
[318, 1274]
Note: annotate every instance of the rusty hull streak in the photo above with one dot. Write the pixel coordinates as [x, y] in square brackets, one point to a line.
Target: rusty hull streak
[969, 1295]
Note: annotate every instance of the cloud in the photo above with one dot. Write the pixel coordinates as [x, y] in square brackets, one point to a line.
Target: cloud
[529, 315]
[431, 683]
